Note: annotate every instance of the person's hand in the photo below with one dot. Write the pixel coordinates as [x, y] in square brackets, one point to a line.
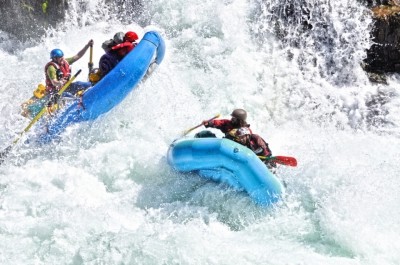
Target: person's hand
[53, 99]
[63, 81]
[90, 43]
[206, 123]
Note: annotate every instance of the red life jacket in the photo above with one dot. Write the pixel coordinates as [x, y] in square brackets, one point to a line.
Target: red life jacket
[256, 142]
[65, 70]
[124, 48]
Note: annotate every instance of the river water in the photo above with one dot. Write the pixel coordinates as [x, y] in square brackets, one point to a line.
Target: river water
[105, 194]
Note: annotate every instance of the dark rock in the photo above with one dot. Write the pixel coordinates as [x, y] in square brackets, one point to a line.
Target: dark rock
[384, 55]
[29, 19]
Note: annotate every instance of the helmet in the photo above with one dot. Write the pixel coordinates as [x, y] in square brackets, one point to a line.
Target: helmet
[243, 131]
[107, 45]
[119, 37]
[131, 36]
[239, 114]
[56, 53]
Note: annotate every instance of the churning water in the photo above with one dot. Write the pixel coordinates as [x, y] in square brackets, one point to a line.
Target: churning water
[105, 194]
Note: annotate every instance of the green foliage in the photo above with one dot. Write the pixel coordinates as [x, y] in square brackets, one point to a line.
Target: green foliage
[44, 6]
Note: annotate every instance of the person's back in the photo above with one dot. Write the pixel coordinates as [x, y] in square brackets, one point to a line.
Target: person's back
[107, 62]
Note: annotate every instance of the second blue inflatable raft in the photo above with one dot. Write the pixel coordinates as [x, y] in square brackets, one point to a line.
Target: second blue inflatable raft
[226, 161]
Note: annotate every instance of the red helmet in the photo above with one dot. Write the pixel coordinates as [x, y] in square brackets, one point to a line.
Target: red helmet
[131, 36]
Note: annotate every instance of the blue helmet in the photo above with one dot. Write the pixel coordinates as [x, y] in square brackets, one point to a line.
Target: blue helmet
[56, 53]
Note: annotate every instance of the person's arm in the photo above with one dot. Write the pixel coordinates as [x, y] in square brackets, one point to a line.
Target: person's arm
[81, 52]
[208, 124]
[260, 143]
[216, 123]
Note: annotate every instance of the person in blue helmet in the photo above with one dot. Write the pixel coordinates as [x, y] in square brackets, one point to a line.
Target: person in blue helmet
[58, 71]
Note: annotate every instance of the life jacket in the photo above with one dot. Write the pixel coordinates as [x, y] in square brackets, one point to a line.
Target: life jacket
[124, 48]
[256, 142]
[64, 69]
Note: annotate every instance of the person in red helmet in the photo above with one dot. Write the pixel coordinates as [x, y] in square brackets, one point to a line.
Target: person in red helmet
[115, 49]
[229, 127]
[129, 43]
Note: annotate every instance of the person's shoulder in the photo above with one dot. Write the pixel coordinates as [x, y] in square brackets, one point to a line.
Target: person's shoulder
[70, 60]
[255, 136]
[50, 66]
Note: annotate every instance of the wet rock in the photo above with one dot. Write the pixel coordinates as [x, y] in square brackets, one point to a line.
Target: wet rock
[30, 18]
[384, 55]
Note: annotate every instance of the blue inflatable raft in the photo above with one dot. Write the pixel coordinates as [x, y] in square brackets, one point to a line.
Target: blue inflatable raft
[111, 89]
[226, 161]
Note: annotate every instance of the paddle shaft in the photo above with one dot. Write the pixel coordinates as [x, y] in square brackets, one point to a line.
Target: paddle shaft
[90, 64]
[40, 114]
[34, 120]
[197, 126]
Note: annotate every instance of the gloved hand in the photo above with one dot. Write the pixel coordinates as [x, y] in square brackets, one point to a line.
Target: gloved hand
[53, 99]
[90, 43]
[59, 74]
[206, 123]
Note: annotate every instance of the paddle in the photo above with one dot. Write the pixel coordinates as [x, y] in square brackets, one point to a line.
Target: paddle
[283, 160]
[197, 126]
[34, 120]
[90, 64]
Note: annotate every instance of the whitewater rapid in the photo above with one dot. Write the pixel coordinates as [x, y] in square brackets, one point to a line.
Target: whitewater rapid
[105, 194]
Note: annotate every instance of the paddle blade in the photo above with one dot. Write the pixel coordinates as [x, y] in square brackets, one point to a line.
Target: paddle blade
[285, 160]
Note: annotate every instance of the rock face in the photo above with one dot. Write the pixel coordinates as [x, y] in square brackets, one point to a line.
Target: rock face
[29, 18]
[384, 54]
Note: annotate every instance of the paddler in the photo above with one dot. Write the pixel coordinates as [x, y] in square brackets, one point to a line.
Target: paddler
[58, 71]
